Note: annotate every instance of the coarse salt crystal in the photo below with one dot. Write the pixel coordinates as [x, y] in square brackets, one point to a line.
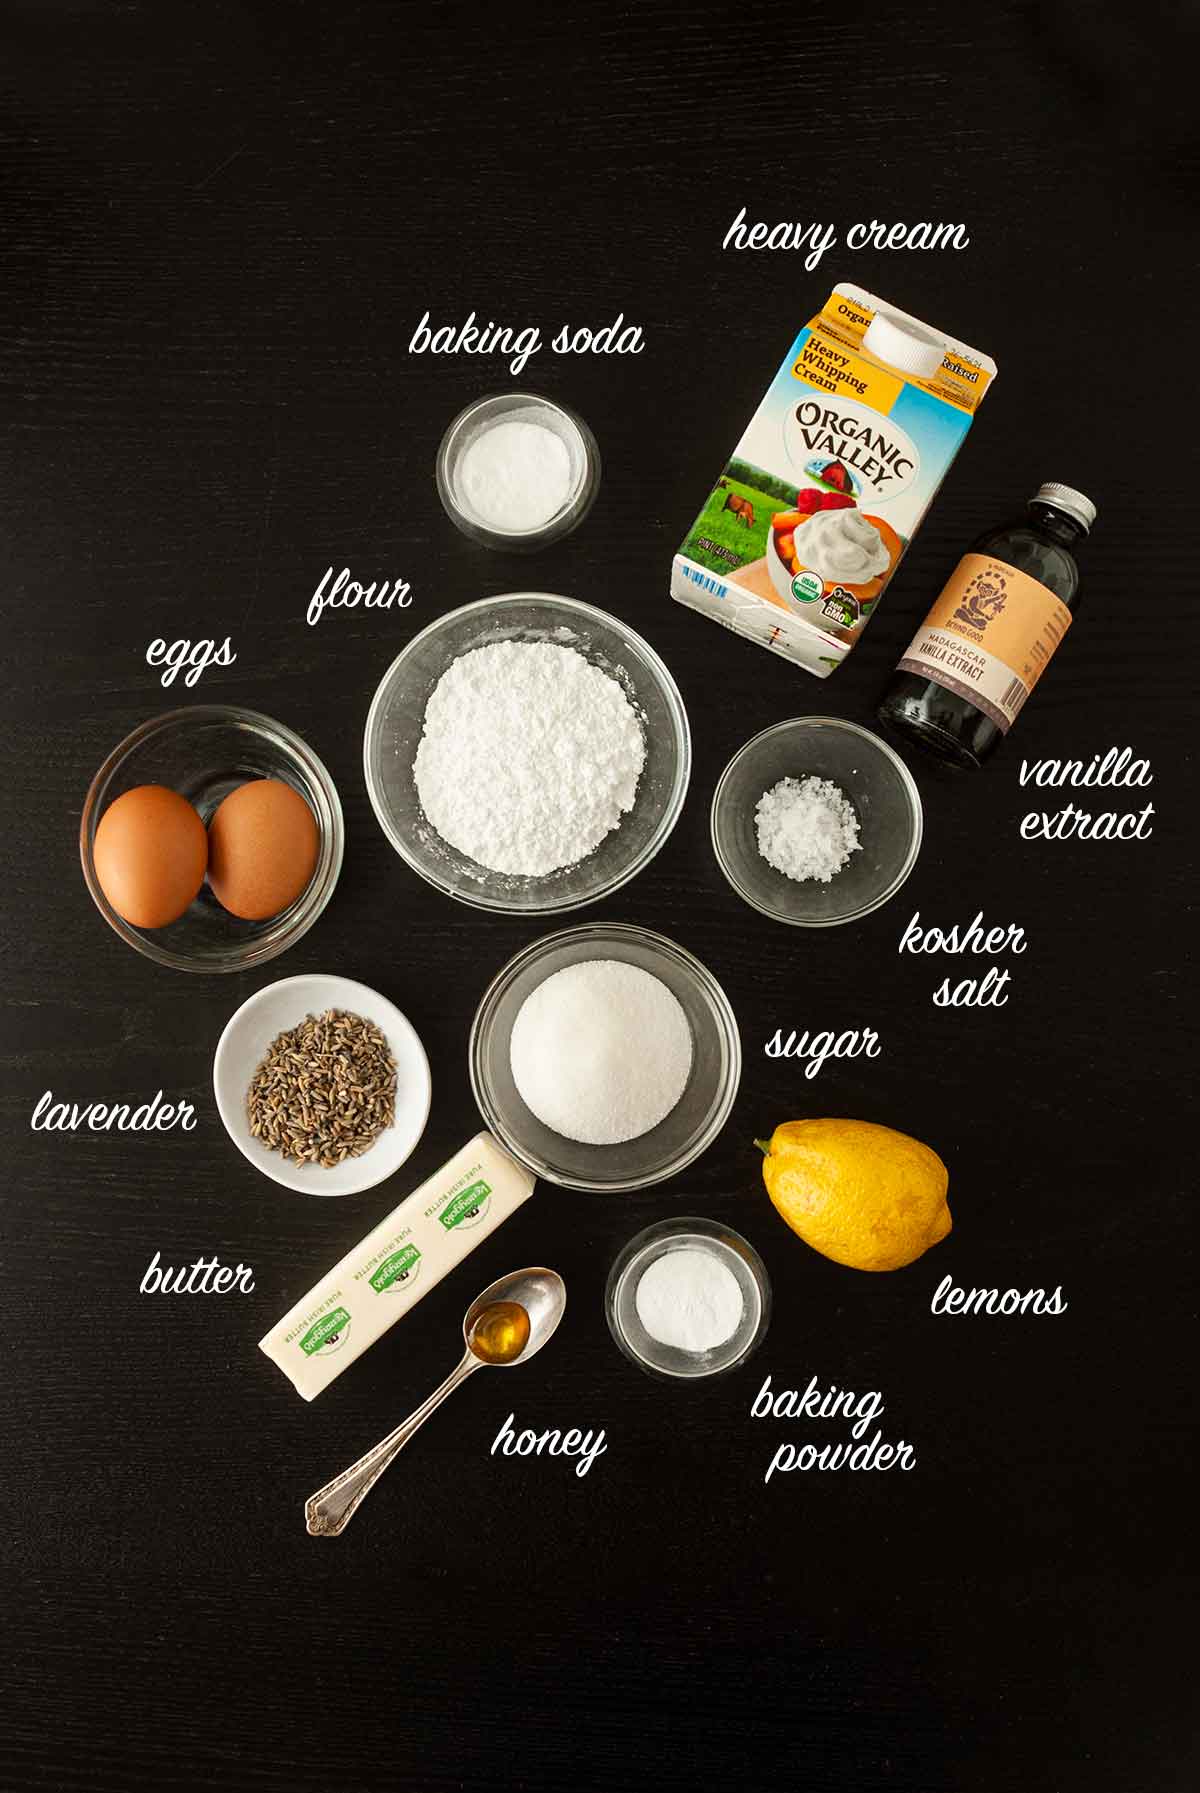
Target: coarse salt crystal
[807, 829]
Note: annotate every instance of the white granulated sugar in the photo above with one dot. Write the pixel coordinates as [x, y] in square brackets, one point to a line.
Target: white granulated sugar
[690, 1299]
[601, 1051]
[807, 828]
[515, 475]
[530, 755]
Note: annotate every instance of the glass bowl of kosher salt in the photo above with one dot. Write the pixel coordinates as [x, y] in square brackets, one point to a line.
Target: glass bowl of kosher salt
[527, 753]
[816, 821]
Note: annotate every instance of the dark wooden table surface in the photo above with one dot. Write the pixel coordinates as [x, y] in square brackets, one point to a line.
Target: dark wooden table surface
[220, 228]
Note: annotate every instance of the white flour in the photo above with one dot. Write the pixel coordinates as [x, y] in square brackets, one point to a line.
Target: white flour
[515, 475]
[807, 828]
[530, 755]
[601, 1051]
[690, 1299]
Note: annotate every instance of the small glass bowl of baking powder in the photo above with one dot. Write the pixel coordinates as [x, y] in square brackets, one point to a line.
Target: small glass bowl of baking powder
[517, 470]
[730, 1256]
[875, 782]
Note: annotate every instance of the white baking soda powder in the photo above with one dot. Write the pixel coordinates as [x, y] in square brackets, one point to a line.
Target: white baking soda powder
[601, 1051]
[690, 1299]
[514, 476]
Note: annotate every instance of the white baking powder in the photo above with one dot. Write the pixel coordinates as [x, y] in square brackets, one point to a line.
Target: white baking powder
[807, 828]
[515, 475]
[530, 755]
[689, 1298]
[601, 1051]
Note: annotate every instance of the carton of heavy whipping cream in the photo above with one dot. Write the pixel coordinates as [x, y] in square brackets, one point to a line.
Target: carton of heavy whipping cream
[408, 1254]
[800, 535]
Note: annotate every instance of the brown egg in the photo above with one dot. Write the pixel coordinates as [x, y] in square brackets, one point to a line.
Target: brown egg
[262, 849]
[150, 853]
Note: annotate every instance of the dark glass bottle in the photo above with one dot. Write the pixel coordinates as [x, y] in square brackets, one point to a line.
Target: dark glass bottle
[989, 637]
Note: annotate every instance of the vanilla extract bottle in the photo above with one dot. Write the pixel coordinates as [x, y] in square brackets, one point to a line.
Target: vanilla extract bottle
[992, 632]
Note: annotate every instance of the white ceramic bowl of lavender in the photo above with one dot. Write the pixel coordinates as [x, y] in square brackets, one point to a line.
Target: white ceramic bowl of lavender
[880, 789]
[244, 1044]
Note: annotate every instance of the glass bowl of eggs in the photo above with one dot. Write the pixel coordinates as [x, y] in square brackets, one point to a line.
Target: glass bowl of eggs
[211, 838]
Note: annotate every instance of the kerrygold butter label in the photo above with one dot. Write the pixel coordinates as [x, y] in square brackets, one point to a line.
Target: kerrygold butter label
[408, 1253]
[467, 1209]
[329, 1331]
[401, 1266]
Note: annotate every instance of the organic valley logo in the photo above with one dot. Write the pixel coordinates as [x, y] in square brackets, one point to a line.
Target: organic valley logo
[884, 460]
[328, 1333]
[468, 1207]
[397, 1271]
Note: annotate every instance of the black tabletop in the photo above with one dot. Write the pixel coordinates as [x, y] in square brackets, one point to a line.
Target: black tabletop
[221, 229]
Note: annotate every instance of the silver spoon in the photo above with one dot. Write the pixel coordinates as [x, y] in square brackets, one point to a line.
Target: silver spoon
[542, 1294]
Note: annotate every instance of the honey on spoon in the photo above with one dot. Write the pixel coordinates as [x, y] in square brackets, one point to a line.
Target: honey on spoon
[507, 1324]
[501, 1332]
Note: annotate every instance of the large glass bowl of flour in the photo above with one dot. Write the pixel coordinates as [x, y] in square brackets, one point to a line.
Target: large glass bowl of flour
[394, 732]
[682, 1135]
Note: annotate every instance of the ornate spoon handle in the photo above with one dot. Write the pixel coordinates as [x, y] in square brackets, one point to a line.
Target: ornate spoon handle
[331, 1508]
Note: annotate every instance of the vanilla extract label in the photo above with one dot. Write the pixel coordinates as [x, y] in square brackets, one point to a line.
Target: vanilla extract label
[1116, 768]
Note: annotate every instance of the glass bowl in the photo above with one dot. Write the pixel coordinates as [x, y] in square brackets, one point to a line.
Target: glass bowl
[692, 1124]
[631, 1264]
[877, 783]
[204, 752]
[393, 734]
[514, 407]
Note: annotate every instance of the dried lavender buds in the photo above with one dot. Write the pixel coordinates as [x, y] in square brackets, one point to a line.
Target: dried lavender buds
[325, 1091]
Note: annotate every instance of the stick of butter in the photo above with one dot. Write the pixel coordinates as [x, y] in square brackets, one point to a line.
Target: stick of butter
[432, 1230]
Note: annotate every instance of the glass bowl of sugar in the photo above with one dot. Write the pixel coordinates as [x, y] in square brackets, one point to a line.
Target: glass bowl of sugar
[816, 822]
[688, 1298]
[517, 471]
[605, 1057]
[490, 741]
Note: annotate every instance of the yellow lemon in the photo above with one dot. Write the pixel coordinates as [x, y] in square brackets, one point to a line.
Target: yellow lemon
[861, 1194]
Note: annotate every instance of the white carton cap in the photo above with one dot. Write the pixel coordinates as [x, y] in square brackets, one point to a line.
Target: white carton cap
[905, 344]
